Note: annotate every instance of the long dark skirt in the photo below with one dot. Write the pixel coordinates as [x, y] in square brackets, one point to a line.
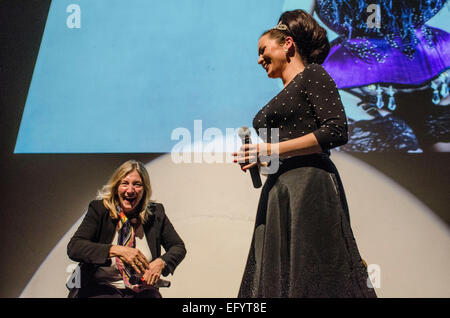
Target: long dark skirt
[303, 245]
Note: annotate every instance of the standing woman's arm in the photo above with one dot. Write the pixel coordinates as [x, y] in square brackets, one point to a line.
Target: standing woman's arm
[325, 101]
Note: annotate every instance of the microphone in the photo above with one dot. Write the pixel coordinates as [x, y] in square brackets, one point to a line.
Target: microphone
[244, 133]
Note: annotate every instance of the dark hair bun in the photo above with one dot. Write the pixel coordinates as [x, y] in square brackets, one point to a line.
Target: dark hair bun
[309, 37]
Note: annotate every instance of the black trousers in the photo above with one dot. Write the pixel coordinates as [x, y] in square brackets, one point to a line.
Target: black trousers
[106, 291]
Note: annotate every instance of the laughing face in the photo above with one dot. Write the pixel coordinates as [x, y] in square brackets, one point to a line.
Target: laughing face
[272, 56]
[130, 191]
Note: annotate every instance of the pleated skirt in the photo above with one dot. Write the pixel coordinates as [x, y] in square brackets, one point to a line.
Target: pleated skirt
[303, 244]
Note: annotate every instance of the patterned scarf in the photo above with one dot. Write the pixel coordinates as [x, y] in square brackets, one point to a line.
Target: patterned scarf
[126, 238]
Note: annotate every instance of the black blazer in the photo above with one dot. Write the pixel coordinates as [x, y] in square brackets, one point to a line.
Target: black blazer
[91, 243]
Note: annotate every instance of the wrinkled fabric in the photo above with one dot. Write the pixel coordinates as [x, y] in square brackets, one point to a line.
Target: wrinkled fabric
[303, 245]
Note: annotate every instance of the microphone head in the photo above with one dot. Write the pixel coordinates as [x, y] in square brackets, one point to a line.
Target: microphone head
[244, 132]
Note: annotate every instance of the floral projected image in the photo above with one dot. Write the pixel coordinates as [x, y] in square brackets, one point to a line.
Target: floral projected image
[393, 69]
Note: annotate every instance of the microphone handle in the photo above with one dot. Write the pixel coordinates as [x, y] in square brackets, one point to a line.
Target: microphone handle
[254, 171]
[256, 178]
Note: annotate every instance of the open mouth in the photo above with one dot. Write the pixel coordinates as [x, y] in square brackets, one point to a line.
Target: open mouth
[265, 65]
[131, 201]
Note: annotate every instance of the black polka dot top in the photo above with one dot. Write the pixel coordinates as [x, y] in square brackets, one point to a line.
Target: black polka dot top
[309, 103]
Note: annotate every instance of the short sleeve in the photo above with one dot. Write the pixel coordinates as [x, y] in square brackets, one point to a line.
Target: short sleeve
[323, 95]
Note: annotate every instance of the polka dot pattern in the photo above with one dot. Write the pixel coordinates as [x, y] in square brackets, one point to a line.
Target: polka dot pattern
[310, 103]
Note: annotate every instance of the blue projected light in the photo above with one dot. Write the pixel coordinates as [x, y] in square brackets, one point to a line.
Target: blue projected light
[135, 70]
[123, 75]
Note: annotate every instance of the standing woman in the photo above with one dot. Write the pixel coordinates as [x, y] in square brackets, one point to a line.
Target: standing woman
[303, 245]
[119, 240]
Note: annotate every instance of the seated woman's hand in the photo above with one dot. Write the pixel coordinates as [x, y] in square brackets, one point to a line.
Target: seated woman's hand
[153, 273]
[131, 256]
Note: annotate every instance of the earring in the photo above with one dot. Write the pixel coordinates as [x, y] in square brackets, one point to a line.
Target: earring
[380, 102]
[436, 99]
[391, 104]
[444, 87]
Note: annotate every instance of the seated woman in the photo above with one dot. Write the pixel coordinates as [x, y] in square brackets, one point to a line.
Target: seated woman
[119, 240]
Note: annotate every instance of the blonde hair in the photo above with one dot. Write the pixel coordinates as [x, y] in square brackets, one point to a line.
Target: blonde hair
[108, 193]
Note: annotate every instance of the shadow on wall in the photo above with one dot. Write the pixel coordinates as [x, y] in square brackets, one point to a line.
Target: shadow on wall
[404, 243]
